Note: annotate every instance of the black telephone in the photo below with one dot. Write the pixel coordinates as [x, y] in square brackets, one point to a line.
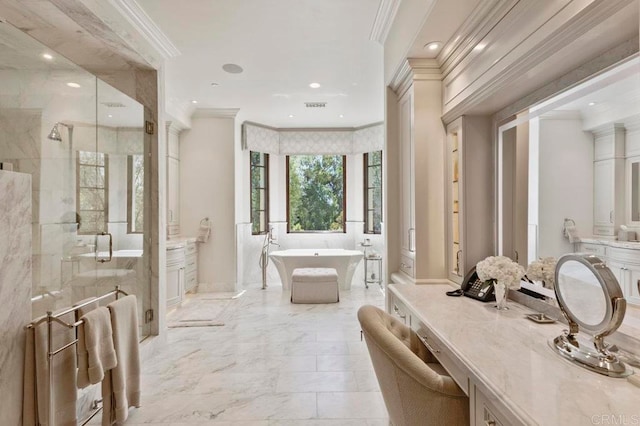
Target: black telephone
[477, 289]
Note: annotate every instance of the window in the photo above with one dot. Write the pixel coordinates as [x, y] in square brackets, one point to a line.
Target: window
[91, 192]
[259, 192]
[315, 193]
[372, 192]
[135, 194]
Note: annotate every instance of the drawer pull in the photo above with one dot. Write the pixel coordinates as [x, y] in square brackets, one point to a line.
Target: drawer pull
[397, 312]
[424, 342]
[490, 423]
[405, 266]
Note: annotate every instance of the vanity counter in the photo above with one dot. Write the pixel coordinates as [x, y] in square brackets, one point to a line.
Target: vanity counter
[506, 359]
[633, 245]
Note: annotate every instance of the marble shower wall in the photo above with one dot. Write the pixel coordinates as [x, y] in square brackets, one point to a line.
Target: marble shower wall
[15, 289]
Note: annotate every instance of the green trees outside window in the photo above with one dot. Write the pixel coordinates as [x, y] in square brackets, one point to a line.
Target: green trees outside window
[135, 194]
[259, 192]
[316, 193]
[92, 177]
[372, 192]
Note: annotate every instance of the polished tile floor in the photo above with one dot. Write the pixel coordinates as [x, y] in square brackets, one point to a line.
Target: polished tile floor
[272, 363]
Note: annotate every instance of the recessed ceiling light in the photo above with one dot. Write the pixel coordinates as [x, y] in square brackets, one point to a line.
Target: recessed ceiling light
[314, 85]
[592, 103]
[74, 85]
[432, 46]
[47, 56]
[341, 116]
[194, 101]
[232, 68]
[110, 115]
[290, 115]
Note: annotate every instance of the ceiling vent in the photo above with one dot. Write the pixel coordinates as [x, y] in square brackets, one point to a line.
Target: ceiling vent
[315, 104]
[114, 104]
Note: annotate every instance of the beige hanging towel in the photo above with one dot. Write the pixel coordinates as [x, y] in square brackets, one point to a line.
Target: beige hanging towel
[121, 385]
[98, 339]
[81, 347]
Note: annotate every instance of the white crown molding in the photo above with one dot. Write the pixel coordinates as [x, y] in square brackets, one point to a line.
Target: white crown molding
[607, 129]
[560, 114]
[477, 25]
[572, 30]
[132, 11]
[632, 124]
[414, 69]
[175, 127]
[384, 19]
[215, 113]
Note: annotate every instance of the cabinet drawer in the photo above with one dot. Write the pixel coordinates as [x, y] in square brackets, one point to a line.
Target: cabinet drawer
[175, 256]
[400, 311]
[191, 263]
[623, 255]
[190, 280]
[436, 347]
[596, 249]
[485, 412]
[406, 265]
[191, 248]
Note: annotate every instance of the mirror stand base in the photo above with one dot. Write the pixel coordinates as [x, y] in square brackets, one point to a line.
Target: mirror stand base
[583, 353]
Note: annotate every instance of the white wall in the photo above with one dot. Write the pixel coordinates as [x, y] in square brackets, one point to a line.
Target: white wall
[207, 189]
[565, 177]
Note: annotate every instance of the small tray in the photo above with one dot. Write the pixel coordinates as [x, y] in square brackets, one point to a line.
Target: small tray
[541, 318]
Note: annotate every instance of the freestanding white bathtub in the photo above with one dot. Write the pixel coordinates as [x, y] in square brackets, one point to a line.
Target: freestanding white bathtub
[344, 262]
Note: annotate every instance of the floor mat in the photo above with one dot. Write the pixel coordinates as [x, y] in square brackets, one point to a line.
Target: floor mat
[199, 310]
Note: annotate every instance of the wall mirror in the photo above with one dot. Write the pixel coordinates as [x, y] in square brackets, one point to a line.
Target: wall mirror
[569, 177]
[591, 300]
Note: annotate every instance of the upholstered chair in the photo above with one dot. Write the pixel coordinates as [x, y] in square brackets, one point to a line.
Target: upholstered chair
[416, 388]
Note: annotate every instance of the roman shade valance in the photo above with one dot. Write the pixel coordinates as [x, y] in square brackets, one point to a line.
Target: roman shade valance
[256, 137]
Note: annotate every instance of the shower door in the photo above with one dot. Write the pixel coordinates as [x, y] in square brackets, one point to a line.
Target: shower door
[83, 143]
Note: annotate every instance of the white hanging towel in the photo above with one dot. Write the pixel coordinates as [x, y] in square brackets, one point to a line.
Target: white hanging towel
[205, 230]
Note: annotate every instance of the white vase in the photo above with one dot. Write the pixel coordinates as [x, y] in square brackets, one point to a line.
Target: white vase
[501, 291]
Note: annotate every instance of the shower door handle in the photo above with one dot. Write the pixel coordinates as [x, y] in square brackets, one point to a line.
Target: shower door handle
[104, 259]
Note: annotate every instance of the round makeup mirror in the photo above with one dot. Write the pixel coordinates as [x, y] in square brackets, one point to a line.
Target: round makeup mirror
[591, 299]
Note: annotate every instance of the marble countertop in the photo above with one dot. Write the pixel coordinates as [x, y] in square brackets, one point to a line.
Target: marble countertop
[508, 356]
[612, 243]
[179, 242]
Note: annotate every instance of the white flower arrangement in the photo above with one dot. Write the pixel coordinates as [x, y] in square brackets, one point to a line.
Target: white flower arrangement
[501, 269]
[543, 270]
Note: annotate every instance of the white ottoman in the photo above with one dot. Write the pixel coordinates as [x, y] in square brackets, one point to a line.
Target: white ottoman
[314, 285]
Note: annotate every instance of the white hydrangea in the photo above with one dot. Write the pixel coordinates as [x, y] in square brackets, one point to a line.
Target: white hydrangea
[501, 269]
[543, 270]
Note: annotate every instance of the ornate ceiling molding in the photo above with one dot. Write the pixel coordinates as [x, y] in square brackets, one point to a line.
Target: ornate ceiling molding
[215, 113]
[137, 17]
[414, 69]
[384, 19]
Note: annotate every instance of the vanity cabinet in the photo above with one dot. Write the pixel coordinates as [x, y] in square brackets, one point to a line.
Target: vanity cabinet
[469, 172]
[608, 179]
[175, 274]
[173, 180]
[624, 263]
[191, 266]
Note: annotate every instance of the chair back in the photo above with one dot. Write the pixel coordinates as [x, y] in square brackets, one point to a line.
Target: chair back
[416, 389]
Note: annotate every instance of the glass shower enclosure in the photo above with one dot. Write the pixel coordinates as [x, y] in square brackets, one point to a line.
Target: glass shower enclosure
[84, 145]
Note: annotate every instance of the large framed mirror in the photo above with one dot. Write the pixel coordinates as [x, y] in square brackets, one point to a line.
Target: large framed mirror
[569, 177]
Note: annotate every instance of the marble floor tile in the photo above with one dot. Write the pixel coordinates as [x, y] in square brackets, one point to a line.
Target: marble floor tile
[317, 382]
[353, 405]
[273, 363]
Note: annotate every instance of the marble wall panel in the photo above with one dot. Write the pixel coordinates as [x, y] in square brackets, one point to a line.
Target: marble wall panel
[15, 289]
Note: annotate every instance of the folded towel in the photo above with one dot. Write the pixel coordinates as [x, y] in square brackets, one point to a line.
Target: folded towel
[99, 343]
[36, 389]
[121, 385]
[81, 347]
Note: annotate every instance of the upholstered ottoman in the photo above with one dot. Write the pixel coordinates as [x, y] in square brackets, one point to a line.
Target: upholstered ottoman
[314, 285]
